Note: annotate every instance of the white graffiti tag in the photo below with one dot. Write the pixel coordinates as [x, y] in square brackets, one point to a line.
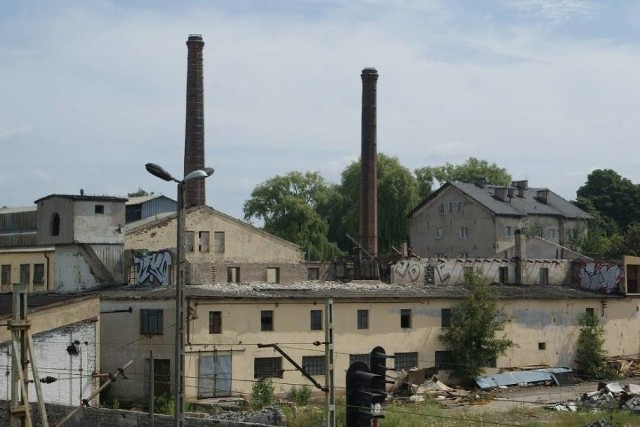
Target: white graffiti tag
[153, 268]
[412, 269]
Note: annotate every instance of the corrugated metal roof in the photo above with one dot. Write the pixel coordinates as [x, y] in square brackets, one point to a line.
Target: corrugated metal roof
[141, 199]
[520, 377]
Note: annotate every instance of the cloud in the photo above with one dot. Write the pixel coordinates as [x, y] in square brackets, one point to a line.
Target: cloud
[8, 133]
[556, 10]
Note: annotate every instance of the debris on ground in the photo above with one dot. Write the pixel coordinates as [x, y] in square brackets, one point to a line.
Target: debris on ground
[625, 366]
[435, 389]
[608, 396]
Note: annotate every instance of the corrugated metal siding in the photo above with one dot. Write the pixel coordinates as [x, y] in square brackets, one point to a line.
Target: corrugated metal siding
[18, 222]
[17, 240]
[113, 259]
[158, 206]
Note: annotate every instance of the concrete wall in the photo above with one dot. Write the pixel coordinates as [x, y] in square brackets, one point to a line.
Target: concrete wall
[53, 328]
[552, 322]
[16, 257]
[440, 271]
[78, 221]
[243, 243]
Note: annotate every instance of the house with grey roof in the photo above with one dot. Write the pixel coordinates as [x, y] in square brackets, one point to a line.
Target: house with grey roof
[142, 207]
[462, 220]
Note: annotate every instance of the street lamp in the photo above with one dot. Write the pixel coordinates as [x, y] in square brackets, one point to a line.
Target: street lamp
[161, 173]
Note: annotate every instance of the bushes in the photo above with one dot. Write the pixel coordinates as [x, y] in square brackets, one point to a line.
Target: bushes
[262, 394]
[301, 396]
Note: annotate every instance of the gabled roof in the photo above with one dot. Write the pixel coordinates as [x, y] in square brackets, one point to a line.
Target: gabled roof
[165, 218]
[141, 199]
[529, 204]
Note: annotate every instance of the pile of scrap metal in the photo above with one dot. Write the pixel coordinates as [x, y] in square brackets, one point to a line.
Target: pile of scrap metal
[625, 366]
[550, 376]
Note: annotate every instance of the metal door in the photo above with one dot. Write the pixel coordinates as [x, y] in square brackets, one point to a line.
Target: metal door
[214, 379]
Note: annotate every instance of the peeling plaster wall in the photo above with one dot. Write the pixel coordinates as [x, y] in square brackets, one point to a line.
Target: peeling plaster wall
[534, 321]
[73, 373]
[73, 273]
[441, 271]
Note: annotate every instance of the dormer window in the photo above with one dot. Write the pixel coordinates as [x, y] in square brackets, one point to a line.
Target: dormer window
[99, 209]
[55, 224]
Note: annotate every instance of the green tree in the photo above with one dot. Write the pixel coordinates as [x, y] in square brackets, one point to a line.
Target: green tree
[397, 195]
[591, 356]
[615, 198]
[476, 334]
[627, 243]
[288, 207]
[429, 176]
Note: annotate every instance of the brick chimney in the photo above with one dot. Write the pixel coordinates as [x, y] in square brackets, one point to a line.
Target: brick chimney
[194, 129]
[368, 188]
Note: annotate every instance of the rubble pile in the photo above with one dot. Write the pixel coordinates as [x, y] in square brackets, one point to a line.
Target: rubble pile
[627, 366]
[608, 396]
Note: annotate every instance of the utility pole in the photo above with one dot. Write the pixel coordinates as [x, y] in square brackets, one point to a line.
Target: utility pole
[330, 398]
[152, 391]
[23, 356]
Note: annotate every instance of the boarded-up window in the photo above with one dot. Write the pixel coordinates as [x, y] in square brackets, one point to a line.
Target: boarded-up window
[203, 237]
[273, 275]
[218, 242]
[6, 274]
[233, 274]
[25, 274]
[188, 241]
[38, 274]
[313, 273]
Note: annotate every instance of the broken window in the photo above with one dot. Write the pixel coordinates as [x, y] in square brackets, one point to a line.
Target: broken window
[25, 274]
[314, 365]
[203, 237]
[215, 322]
[363, 319]
[405, 318]
[218, 242]
[188, 241]
[38, 274]
[98, 209]
[503, 273]
[55, 224]
[266, 320]
[590, 311]
[544, 276]
[445, 320]
[316, 320]
[542, 346]
[267, 367]
[405, 361]
[6, 274]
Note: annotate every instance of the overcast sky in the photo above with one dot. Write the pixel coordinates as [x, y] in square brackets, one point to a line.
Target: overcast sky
[92, 90]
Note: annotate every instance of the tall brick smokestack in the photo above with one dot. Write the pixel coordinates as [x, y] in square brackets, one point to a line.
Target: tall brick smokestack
[194, 129]
[368, 187]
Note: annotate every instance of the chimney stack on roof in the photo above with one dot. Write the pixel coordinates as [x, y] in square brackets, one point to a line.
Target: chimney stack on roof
[194, 128]
[368, 188]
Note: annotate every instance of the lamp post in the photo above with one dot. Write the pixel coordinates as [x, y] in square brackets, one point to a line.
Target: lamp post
[161, 173]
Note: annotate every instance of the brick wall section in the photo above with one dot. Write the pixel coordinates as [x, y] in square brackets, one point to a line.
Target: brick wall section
[96, 417]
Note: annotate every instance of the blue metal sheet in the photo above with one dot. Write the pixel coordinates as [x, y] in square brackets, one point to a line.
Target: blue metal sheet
[520, 377]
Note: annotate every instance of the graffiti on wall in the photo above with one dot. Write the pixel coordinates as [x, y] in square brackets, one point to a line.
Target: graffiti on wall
[604, 277]
[153, 268]
[409, 269]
